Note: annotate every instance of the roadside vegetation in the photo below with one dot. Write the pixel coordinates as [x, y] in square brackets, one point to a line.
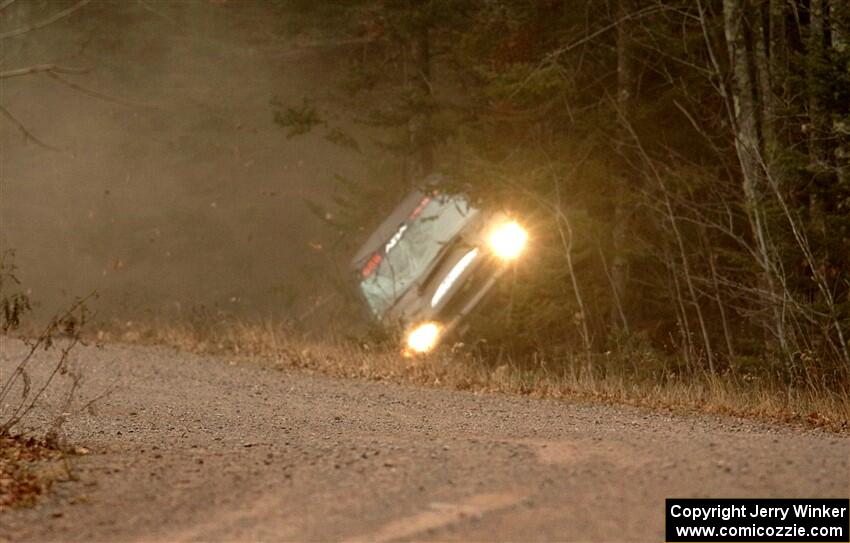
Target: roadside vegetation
[36, 398]
[639, 378]
[683, 167]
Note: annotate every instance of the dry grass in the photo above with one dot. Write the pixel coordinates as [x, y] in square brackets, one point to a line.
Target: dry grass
[576, 379]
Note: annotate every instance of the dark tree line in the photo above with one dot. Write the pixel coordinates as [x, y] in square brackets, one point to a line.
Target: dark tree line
[684, 164]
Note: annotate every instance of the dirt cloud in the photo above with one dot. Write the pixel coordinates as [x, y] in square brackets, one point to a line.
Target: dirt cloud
[175, 188]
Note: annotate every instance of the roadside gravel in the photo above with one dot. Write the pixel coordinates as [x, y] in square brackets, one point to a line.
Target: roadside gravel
[200, 448]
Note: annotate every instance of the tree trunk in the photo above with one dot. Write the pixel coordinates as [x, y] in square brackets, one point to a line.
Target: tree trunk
[778, 46]
[818, 150]
[421, 136]
[747, 146]
[765, 72]
[626, 88]
[839, 26]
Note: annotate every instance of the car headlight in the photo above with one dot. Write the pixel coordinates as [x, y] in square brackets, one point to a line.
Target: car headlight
[423, 338]
[507, 240]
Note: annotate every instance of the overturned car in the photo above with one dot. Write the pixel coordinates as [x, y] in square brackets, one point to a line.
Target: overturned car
[431, 262]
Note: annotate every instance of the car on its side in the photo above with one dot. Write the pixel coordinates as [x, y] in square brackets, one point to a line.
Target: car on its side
[432, 260]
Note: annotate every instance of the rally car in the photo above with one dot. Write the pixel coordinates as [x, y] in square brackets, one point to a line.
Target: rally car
[431, 262]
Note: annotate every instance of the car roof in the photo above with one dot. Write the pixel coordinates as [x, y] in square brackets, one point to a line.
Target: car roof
[387, 228]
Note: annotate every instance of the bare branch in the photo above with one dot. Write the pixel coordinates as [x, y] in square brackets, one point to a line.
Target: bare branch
[95, 94]
[46, 22]
[39, 68]
[54, 70]
[6, 4]
[557, 53]
[159, 14]
[27, 134]
[610, 26]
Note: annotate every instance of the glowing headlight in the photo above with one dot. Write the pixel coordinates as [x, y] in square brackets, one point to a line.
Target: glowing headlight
[423, 338]
[508, 239]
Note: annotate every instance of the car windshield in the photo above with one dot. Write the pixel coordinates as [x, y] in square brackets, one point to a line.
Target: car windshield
[410, 251]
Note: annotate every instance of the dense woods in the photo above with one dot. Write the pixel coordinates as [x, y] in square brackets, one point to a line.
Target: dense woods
[683, 165]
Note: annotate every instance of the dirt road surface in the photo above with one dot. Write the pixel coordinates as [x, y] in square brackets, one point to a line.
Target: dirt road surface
[194, 448]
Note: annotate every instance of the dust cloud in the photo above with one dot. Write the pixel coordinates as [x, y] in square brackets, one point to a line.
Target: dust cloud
[173, 188]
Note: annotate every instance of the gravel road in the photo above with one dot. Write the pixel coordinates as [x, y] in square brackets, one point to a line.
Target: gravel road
[200, 448]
